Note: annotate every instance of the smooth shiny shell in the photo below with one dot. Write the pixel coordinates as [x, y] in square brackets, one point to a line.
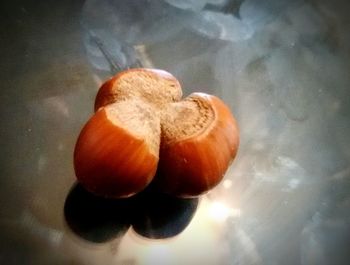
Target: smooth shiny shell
[195, 165]
[111, 162]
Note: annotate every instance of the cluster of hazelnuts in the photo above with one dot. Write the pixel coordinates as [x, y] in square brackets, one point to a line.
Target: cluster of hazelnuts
[143, 132]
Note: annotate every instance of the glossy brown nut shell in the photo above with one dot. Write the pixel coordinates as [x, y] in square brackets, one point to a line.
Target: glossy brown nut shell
[193, 166]
[111, 162]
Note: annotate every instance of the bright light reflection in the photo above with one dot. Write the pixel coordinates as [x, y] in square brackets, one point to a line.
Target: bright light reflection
[220, 212]
[205, 232]
[227, 184]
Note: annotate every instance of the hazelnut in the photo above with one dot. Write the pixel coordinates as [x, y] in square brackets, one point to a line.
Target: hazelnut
[141, 125]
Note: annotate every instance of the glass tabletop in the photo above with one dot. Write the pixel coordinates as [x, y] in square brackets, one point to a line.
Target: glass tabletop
[281, 66]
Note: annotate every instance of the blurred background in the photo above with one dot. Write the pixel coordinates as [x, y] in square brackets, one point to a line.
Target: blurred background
[282, 67]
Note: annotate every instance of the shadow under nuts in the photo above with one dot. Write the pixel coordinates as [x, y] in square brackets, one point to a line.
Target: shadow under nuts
[143, 126]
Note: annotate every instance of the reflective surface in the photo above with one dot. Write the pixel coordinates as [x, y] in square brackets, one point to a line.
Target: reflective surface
[281, 66]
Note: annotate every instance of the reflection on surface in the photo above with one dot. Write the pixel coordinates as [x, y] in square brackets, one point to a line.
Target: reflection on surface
[202, 242]
[151, 214]
[162, 216]
[96, 219]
